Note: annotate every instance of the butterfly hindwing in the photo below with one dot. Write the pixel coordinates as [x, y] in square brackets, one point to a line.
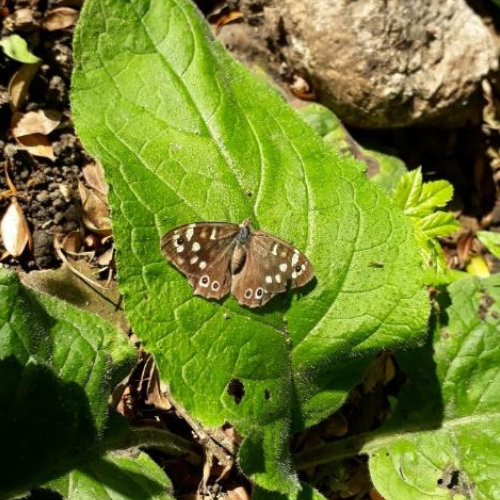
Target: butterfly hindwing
[272, 265]
[202, 251]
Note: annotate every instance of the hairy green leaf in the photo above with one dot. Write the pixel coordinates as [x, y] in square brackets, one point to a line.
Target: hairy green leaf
[17, 48]
[306, 493]
[491, 241]
[383, 169]
[187, 134]
[458, 394]
[116, 476]
[443, 438]
[57, 367]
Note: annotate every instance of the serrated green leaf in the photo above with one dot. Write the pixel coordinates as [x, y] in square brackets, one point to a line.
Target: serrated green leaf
[17, 48]
[491, 241]
[116, 476]
[458, 394]
[438, 224]
[56, 369]
[419, 199]
[186, 134]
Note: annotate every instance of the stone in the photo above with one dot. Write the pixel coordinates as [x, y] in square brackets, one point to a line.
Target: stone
[387, 63]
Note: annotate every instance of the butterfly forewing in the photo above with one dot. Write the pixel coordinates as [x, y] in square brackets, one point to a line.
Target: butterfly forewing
[203, 251]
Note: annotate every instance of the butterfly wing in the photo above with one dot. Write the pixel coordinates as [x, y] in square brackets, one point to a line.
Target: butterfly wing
[202, 251]
[271, 267]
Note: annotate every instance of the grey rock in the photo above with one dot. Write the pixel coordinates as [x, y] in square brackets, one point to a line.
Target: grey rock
[388, 63]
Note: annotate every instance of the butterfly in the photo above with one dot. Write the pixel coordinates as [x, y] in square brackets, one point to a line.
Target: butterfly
[220, 257]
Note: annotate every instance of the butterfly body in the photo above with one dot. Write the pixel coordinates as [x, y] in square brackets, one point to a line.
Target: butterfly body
[219, 257]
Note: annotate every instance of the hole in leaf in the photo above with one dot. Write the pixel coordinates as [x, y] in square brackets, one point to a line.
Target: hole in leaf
[236, 389]
[267, 394]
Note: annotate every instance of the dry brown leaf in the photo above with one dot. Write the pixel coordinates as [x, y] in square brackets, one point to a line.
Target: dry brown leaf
[235, 15]
[93, 173]
[66, 191]
[95, 210]
[60, 18]
[300, 88]
[375, 495]
[20, 83]
[238, 493]
[37, 145]
[464, 247]
[14, 229]
[105, 258]
[43, 121]
[72, 242]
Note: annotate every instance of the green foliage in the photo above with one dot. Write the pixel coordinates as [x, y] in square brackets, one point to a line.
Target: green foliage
[452, 404]
[57, 367]
[383, 169]
[17, 48]
[116, 476]
[491, 241]
[187, 134]
[419, 201]
[443, 438]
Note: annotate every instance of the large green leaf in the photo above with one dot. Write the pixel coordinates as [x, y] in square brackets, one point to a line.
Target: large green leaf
[57, 367]
[187, 134]
[116, 476]
[460, 398]
[443, 440]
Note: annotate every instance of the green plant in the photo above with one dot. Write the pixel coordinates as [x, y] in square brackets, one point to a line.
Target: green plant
[186, 134]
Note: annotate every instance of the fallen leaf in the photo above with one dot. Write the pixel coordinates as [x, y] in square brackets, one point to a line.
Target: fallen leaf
[20, 83]
[14, 229]
[105, 258]
[66, 191]
[235, 15]
[93, 173]
[37, 145]
[95, 210]
[72, 242]
[238, 493]
[60, 18]
[43, 121]
[17, 48]
[300, 88]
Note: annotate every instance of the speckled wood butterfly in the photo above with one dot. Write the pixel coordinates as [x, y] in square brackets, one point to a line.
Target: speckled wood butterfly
[218, 257]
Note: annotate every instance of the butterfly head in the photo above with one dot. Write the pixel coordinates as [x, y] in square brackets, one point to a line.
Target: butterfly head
[244, 233]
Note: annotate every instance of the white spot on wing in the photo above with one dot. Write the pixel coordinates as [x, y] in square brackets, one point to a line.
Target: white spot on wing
[202, 264]
[214, 232]
[295, 258]
[180, 249]
[278, 278]
[283, 267]
[196, 246]
[194, 260]
[294, 275]
[269, 279]
[274, 251]
[189, 233]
